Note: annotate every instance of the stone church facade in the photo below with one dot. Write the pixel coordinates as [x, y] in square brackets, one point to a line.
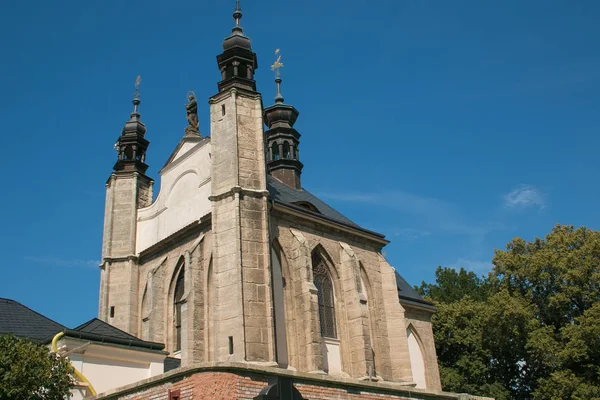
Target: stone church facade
[234, 263]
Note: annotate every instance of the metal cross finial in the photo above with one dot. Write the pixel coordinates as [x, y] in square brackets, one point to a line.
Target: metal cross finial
[136, 97]
[277, 65]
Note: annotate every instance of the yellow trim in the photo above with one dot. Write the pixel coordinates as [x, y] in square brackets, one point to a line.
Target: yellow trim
[77, 373]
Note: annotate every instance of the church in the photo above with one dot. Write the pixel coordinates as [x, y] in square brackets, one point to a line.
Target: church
[259, 288]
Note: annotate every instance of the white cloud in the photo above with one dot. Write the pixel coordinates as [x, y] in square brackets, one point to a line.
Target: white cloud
[525, 196]
[62, 262]
[410, 234]
[478, 266]
[436, 214]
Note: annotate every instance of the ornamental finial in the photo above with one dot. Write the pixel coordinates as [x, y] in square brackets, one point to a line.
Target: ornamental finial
[277, 65]
[136, 96]
[237, 14]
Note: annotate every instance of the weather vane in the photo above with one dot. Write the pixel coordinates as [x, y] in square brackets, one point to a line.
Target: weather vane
[277, 64]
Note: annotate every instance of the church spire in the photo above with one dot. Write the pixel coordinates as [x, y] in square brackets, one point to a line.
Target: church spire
[283, 161]
[238, 62]
[131, 146]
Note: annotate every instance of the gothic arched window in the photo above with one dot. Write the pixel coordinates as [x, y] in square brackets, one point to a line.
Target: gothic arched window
[177, 303]
[275, 151]
[322, 281]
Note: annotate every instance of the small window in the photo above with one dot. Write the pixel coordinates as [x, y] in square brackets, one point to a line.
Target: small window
[178, 302]
[174, 394]
[286, 150]
[307, 205]
[222, 109]
[112, 311]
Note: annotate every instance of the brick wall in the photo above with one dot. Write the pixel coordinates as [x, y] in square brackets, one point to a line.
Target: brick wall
[237, 382]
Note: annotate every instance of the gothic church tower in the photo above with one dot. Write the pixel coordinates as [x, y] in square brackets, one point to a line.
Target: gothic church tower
[127, 189]
[240, 208]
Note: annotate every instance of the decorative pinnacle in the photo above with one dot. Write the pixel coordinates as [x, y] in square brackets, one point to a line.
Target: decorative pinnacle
[237, 14]
[277, 65]
[136, 97]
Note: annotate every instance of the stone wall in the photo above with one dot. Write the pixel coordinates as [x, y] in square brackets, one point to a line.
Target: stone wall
[243, 307]
[371, 322]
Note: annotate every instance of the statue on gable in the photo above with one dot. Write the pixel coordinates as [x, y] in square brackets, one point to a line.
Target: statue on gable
[192, 114]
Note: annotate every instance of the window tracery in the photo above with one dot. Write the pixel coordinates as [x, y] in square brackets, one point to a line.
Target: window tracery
[322, 281]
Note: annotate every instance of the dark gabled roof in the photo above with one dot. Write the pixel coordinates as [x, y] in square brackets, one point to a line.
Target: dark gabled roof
[23, 322]
[409, 296]
[171, 363]
[100, 331]
[101, 328]
[292, 197]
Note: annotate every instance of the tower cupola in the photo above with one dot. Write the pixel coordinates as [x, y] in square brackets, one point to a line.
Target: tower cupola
[238, 62]
[131, 146]
[283, 160]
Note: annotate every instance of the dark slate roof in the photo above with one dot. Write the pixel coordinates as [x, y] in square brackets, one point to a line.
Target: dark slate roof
[100, 331]
[171, 363]
[23, 322]
[409, 296]
[287, 195]
[101, 328]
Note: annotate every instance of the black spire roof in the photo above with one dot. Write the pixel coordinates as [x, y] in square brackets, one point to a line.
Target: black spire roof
[238, 62]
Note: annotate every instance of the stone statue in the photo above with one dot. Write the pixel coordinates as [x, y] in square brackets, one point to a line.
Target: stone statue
[192, 113]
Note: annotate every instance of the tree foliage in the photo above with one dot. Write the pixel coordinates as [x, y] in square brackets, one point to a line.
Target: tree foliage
[531, 328]
[29, 371]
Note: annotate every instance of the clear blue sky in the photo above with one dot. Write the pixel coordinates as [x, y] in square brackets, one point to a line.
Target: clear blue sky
[450, 126]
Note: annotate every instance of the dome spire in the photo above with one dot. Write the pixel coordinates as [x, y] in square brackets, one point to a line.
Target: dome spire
[131, 146]
[283, 159]
[238, 62]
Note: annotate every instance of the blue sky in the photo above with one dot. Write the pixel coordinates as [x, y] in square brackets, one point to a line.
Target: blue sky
[451, 127]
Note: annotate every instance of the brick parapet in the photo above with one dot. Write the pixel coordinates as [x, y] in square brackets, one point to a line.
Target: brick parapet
[229, 381]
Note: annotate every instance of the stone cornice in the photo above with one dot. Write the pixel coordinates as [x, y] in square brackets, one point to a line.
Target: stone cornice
[238, 189]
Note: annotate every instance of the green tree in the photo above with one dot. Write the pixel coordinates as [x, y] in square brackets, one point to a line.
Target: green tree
[451, 286]
[531, 329]
[29, 371]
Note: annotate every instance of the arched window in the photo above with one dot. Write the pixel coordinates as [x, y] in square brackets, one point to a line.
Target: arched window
[286, 150]
[177, 303]
[324, 285]
[275, 151]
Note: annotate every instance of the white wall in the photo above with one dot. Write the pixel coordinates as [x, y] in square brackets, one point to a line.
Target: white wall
[417, 363]
[108, 366]
[332, 361]
[183, 196]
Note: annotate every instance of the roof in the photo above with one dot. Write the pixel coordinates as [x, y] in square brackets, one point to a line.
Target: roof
[100, 331]
[101, 328]
[409, 296]
[23, 322]
[290, 196]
